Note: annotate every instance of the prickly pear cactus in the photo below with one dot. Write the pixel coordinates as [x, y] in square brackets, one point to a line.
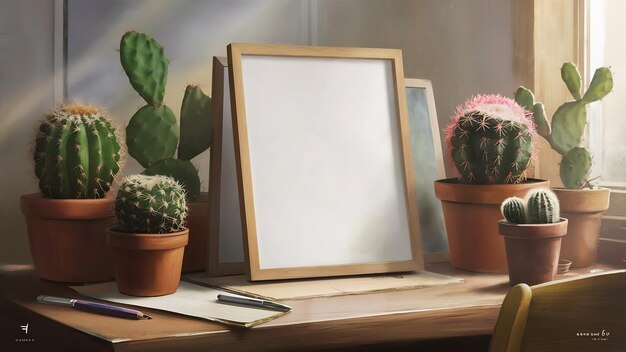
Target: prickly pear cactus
[565, 133]
[145, 64]
[513, 209]
[542, 207]
[150, 204]
[77, 152]
[491, 140]
[153, 134]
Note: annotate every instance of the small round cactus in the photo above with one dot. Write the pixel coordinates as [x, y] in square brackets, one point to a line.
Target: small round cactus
[490, 140]
[150, 204]
[77, 152]
[542, 207]
[513, 210]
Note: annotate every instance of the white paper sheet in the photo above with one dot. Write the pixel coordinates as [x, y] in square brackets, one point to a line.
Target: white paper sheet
[189, 299]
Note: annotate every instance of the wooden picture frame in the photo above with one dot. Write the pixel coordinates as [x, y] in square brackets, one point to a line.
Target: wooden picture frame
[428, 165]
[348, 207]
[225, 254]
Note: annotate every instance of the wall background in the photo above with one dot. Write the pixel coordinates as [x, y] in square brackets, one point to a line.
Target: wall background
[463, 47]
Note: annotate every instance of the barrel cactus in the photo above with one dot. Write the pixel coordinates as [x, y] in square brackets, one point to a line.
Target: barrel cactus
[514, 210]
[542, 207]
[150, 204]
[153, 134]
[539, 207]
[490, 140]
[77, 152]
[565, 132]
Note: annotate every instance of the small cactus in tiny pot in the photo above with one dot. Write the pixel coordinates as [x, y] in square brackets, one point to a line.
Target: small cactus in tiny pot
[566, 131]
[539, 207]
[150, 204]
[77, 152]
[490, 140]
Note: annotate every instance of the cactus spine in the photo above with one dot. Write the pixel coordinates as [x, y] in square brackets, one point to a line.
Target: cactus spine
[565, 133]
[491, 140]
[542, 207]
[153, 133]
[77, 152]
[150, 204]
[513, 209]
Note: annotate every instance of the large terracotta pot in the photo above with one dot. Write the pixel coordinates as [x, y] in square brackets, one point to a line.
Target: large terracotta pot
[67, 237]
[471, 213]
[147, 264]
[532, 250]
[583, 208]
[198, 225]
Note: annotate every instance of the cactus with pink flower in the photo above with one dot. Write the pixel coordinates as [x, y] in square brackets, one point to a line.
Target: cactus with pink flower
[490, 140]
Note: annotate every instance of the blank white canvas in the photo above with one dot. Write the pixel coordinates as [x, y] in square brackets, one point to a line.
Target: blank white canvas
[326, 161]
[230, 233]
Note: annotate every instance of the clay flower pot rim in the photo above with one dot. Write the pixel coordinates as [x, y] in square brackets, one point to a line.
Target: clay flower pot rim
[147, 241]
[533, 231]
[36, 205]
[451, 190]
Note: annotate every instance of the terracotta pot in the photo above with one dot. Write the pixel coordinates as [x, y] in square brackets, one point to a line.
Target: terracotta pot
[583, 209]
[147, 264]
[532, 250]
[198, 225]
[67, 237]
[471, 213]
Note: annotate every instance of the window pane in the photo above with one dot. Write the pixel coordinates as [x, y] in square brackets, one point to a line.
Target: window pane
[608, 119]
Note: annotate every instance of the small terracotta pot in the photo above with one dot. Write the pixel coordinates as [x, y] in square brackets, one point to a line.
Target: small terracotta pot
[198, 225]
[583, 208]
[532, 250]
[471, 213]
[67, 237]
[147, 264]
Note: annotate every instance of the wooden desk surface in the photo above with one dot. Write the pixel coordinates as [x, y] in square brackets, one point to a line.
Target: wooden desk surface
[465, 309]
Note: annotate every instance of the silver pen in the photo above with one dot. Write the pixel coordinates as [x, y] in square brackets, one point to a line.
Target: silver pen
[253, 302]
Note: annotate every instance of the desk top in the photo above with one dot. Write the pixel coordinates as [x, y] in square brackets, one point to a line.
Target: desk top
[465, 309]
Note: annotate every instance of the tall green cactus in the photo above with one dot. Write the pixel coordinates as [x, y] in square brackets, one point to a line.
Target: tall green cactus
[542, 207]
[153, 133]
[150, 204]
[490, 140]
[77, 152]
[565, 133]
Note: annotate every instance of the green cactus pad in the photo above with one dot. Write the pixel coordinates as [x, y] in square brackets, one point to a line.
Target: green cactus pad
[568, 126]
[571, 77]
[542, 207]
[77, 153]
[525, 98]
[182, 171]
[150, 204]
[513, 210]
[541, 122]
[490, 150]
[575, 167]
[152, 134]
[601, 85]
[196, 120]
[145, 64]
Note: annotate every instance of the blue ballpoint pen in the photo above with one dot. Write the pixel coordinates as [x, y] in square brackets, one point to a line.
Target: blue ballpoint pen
[94, 307]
